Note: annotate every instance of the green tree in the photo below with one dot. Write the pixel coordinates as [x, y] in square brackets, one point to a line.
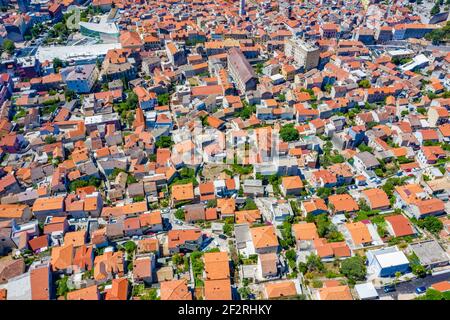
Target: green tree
[57, 63]
[365, 83]
[353, 268]
[49, 139]
[323, 192]
[363, 147]
[132, 100]
[131, 179]
[179, 214]
[244, 292]
[313, 264]
[259, 68]
[289, 133]
[439, 35]
[164, 142]
[281, 97]
[177, 259]
[421, 110]
[432, 224]
[246, 111]
[197, 267]
[317, 283]
[286, 231]
[250, 204]
[291, 255]
[432, 294]
[363, 206]
[61, 286]
[79, 183]
[151, 294]
[129, 247]
[341, 190]
[211, 203]
[138, 199]
[163, 99]
[36, 30]
[436, 9]
[8, 46]
[228, 228]
[70, 94]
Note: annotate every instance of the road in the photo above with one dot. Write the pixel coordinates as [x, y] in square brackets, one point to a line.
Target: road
[176, 223]
[410, 286]
[440, 48]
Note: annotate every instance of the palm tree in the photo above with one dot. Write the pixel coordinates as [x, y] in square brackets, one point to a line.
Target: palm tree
[397, 278]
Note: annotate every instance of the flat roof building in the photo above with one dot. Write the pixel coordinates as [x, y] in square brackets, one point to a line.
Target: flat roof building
[305, 54]
[366, 291]
[387, 262]
[430, 253]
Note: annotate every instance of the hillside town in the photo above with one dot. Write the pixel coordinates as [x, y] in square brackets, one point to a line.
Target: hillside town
[224, 150]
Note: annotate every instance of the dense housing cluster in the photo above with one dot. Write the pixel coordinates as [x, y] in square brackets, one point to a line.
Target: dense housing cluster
[224, 150]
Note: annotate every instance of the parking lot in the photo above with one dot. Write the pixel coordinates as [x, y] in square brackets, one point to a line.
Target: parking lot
[410, 286]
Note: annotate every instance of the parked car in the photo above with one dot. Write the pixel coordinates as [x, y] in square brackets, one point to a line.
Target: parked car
[389, 288]
[222, 236]
[420, 290]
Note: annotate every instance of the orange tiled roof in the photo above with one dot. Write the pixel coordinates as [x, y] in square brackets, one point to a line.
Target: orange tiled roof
[280, 289]
[89, 293]
[377, 198]
[175, 290]
[264, 237]
[343, 202]
[305, 231]
[216, 265]
[359, 232]
[217, 289]
[400, 225]
[335, 293]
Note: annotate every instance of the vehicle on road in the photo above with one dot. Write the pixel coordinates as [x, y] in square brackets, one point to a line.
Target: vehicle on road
[222, 236]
